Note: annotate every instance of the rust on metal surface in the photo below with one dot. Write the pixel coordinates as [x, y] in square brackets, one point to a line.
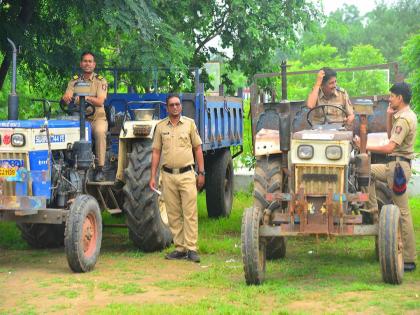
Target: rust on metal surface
[48, 216]
[142, 130]
[267, 141]
[363, 133]
[293, 230]
[22, 203]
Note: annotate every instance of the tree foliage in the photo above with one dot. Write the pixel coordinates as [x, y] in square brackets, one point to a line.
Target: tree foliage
[411, 57]
[386, 27]
[358, 83]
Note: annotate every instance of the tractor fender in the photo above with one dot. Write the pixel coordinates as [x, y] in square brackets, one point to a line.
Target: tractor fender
[267, 141]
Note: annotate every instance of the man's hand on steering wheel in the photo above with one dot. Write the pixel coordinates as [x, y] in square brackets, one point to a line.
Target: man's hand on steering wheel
[73, 106]
[325, 115]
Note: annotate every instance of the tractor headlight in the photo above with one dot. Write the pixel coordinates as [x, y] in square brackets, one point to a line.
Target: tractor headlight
[18, 140]
[333, 152]
[305, 152]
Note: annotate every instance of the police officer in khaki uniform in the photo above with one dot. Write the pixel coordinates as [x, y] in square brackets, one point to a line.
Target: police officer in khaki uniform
[326, 92]
[98, 92]
[175, 140]
[401, 129]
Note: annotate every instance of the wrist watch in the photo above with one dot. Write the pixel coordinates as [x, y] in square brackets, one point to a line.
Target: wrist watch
[202, 173]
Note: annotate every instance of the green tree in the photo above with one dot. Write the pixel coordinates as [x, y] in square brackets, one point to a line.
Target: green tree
[252, 29]
[411, 58]
[385, 27]
[388, 27]
[367, 82]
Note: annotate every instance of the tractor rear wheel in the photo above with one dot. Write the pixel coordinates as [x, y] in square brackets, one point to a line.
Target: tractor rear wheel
[42, 235]
[146, 213]
[253, 246]
[390, 245]
[83, 235]
[268, 178]
[219, 184]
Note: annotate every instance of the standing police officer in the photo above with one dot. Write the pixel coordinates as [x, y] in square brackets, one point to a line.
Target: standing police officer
[98, 92]
[176, 138]
[326, 92]
[401, 129]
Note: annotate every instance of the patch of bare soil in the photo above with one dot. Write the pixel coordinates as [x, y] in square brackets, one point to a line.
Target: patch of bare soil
[41, 281]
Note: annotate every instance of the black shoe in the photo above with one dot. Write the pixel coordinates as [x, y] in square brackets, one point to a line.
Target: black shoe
[409, 267]
[99, 176]
[118, 184]
[193, 256]
[176, 255]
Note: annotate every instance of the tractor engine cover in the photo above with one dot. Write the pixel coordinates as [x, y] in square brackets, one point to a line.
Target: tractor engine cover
[82, 154]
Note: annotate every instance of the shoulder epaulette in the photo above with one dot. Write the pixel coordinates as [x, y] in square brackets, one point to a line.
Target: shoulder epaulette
[99, 77]
[75, 77]
[188, 118]
[163, 120]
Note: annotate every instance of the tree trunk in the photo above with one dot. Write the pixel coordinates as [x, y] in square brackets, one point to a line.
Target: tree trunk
[23, 19]
[4, 69]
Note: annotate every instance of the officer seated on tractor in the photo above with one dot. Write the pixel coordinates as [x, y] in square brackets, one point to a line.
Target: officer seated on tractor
[333, 101]
[98, 93]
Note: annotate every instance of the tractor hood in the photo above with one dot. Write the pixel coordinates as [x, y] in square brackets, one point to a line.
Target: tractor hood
[38, 123]
[334, 135]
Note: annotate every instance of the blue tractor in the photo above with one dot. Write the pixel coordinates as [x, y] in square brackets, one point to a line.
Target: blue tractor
[46, 169]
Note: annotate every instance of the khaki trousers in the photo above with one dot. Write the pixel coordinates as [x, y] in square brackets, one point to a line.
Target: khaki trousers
[180, 195]
[385, 173]
[99, 129]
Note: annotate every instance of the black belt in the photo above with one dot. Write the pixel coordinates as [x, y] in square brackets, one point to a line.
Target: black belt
[396, 158]
[177, 170]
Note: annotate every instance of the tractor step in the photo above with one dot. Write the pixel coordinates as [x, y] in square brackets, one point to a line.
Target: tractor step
[114, 211]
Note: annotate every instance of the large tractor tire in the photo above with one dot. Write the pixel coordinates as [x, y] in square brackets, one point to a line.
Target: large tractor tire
[390, 245]
[219, 184]
[268, 178]
[42, 235]
[83, 235]
[253, 247]
[146, 213]
[383, 197]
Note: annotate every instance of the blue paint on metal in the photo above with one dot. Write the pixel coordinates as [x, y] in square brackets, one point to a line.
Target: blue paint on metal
[336, 197]
[39, 124]
[220, 123]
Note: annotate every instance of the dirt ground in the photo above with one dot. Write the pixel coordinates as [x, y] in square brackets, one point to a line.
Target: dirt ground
[42, 281]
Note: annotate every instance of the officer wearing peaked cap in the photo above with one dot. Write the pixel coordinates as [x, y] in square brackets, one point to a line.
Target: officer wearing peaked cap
[98, 93]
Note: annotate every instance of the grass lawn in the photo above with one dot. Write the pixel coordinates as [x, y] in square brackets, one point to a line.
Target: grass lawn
[333, 276]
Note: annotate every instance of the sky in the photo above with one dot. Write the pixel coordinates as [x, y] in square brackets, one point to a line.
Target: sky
[364, 6]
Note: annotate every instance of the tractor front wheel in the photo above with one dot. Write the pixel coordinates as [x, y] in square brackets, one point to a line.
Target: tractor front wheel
[83, 234]
[390, 245]
[253, 247]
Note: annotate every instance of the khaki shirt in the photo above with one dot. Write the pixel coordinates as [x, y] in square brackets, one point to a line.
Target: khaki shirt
[339, 98]
[176, 143]
[403, 133]
[98, 87]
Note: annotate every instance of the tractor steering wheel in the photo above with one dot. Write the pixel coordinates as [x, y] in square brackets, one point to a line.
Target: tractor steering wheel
[71, 108]
[324, 114]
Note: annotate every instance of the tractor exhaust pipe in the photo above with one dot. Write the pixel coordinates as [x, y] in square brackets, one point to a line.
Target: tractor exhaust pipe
[13, 101]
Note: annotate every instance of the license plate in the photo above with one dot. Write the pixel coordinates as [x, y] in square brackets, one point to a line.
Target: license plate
[6, 172]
